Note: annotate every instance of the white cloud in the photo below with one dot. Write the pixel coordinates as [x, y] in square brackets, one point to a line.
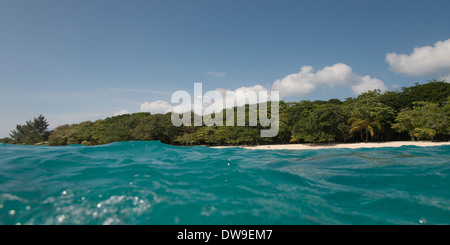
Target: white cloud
[156, 107]
[367, 83]
[124, 111]
[240, 94]
[296, 84]
[213, 101]
[300, 83]
[424, 60]
[216, 74]
[446, 78]
[395, 86]
[306, 81]
[257, 87]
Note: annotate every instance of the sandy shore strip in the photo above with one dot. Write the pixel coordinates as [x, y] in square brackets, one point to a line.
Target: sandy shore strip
[341, 145]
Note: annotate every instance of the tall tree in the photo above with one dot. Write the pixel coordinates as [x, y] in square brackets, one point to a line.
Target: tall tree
[32, 132]
[405, 122]
[320, 125]
[370, 116]
[364, 120]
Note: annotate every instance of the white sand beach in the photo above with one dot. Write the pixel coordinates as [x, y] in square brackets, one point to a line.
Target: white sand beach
[341, 145]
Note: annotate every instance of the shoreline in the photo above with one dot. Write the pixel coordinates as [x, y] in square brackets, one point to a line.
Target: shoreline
[340, 145]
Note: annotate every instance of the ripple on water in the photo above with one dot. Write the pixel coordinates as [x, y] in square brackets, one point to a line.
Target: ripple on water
[153, 183]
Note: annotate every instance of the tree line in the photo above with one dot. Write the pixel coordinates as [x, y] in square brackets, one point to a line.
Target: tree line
[419, 112]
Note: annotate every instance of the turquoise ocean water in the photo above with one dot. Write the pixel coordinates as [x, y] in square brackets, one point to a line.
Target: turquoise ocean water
[154, 183]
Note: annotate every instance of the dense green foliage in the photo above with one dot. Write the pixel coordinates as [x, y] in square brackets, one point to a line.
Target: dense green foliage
[424, 121]
[417, 112]
[138, 126]
[6, 140]
[32, 132]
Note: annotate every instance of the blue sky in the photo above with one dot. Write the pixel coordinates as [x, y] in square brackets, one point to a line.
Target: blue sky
[85, 60]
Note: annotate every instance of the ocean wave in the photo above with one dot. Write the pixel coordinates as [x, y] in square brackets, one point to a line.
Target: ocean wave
[141, 182]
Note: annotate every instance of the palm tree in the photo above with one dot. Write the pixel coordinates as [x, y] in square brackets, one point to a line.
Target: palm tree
[363, 119]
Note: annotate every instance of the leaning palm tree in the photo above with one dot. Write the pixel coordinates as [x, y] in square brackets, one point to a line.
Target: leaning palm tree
[364, 120]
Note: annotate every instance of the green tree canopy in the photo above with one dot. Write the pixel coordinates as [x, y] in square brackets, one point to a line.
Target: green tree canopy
[417, 112]
[32, 132]
[320, 125]
[426, 120]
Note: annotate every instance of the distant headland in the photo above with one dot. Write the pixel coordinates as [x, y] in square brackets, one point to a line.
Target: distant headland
[416, 113]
